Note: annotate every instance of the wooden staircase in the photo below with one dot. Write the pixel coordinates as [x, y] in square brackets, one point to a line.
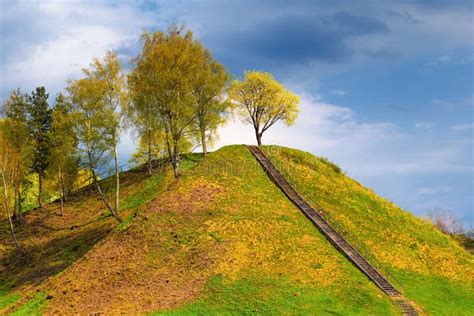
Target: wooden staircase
[331, 234]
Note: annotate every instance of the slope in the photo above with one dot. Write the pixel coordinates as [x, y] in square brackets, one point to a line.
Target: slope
[52, 243]
[433, 270]
[221, 239]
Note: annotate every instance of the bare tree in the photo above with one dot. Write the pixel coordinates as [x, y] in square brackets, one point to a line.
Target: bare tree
[445, 221]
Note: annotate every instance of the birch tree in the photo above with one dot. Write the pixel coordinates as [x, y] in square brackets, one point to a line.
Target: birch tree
[15, 131]
[96, 99]
[64, 146]
[8, 163]
[211, 107]
[142, 112]
[112, 85]
[164, 76]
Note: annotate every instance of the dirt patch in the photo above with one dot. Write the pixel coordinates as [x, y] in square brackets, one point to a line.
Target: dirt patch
[200, 196]
[162, 261]
[51, 243]
[117, 277]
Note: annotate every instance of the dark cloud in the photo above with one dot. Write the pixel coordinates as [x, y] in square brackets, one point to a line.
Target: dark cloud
[20, 30]
[296, 39]
[445, 4]
[385, 54]
[404, 15]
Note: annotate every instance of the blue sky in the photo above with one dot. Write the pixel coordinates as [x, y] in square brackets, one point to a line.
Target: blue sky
[386, 86]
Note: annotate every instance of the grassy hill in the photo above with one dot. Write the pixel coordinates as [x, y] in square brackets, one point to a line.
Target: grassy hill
[434, 270]
[224, 239]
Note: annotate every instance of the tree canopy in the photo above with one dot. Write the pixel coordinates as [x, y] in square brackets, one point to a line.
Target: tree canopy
[162, 87]
[96, 102]
[175, 97]
[262, 101]
[39, 125]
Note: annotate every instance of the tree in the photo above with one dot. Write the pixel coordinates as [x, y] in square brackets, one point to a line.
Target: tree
[151, 146]
[95, 100]
[64, 158]
[143, 114]
[39, 124]
[113, 91]
[262, 101]
[164, 75]
[445, 221]
[211, 107]
[8, 163]
[15, 132]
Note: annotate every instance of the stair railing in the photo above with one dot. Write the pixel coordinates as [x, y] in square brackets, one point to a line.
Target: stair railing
[360, 247]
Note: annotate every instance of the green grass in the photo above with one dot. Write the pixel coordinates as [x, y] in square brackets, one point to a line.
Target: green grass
[435, 272]
[438, 295]
[267, 296]
[33, 307]
[152, 187]
[272, 260]
[227, 236]
[148, 190]
[68, 245]
[6, 297]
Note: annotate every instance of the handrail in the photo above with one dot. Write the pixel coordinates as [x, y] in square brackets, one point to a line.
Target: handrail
[332, 221]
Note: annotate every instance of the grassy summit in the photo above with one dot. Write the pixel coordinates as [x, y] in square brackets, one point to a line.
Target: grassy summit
[224, 239]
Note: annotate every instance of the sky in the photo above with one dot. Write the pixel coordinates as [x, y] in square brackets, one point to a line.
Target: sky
[386, 87]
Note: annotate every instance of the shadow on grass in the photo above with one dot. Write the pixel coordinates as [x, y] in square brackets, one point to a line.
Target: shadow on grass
[40, 261]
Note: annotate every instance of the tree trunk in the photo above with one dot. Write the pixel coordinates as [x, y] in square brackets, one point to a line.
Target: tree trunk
[61, 198]
[175, 158]
[168, 144]
[204, 142]
[7, 206]
[150, 166]
[176, 167]
[117, 181]
[61, 193]
[63, 188]
[15, 203]
[40, 190]
[20, 215]
[259, 137]
[101, 194]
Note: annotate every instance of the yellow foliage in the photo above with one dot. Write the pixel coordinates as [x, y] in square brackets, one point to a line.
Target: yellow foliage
[262, 101]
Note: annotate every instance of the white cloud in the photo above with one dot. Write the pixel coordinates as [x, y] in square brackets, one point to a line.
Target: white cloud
[364, 149]
[52, 62]
[425, 125]
[462, 127]
[434, 190]
[338, 92]
[47, 42]
[74, 34]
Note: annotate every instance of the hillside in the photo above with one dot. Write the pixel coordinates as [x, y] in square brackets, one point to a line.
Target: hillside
[433, 269]
[224, 239]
